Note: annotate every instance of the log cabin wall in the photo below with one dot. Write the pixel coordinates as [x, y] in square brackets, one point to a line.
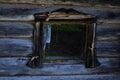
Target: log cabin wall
[16, 28]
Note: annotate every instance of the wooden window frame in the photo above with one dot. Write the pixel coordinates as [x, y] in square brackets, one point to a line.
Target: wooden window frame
[89, 55]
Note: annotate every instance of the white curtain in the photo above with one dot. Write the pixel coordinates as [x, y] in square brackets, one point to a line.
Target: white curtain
[47, 35]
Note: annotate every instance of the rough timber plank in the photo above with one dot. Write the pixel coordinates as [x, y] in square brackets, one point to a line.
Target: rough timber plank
[108, 49]
[107, 45]
[108, 32]
[16, 66]
[15, 47]
[102, 13]
[25, 12]
[68, 77]
[85, 3]
[8, 29]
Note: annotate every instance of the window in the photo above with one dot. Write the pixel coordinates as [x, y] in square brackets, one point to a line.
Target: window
[64, 33]
[64, 40]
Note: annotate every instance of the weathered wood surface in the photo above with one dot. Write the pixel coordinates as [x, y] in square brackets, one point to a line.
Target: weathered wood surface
[68, 77]
[108, 49]
[21, 47]
[17, 29]
[102, 13]
[105, 32]
[15, 51]
[16, 67]
[25, 12]
[15, 47]
[108, 45]
[87, 3]
[108, 32]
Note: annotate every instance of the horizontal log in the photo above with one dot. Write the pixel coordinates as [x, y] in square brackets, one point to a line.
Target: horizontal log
[109, 38]
[107, 45]
[108, 32]
[18, 18]
[13, 47]
[8, 29]
[64, 1]
[108, 52]
[26, 12]
[80, 3]
[108, 49]
[102, 13]
[16, 66]
[68, 77]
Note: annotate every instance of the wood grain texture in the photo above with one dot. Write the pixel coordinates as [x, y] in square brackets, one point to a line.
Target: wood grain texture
[85, 3]
[107, 45]
[16, 51]
[102, 13]
[26, 12]
[108, 32]
[15, 47]
[108, 49]
[8, 29]
[16, 66]
[105, 32]
[68, 77]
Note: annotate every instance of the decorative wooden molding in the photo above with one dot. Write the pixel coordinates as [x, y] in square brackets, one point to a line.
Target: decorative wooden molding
[68, 16]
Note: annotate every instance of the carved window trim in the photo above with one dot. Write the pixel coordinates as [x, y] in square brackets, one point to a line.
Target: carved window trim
[65, 16]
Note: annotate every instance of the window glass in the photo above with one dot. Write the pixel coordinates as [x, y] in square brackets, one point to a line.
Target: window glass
[64, 40]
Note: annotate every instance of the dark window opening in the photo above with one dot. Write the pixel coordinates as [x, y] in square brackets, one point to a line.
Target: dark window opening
[64, 40]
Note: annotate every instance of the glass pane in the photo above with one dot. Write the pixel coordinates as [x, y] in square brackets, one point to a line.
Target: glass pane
[64, 40]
